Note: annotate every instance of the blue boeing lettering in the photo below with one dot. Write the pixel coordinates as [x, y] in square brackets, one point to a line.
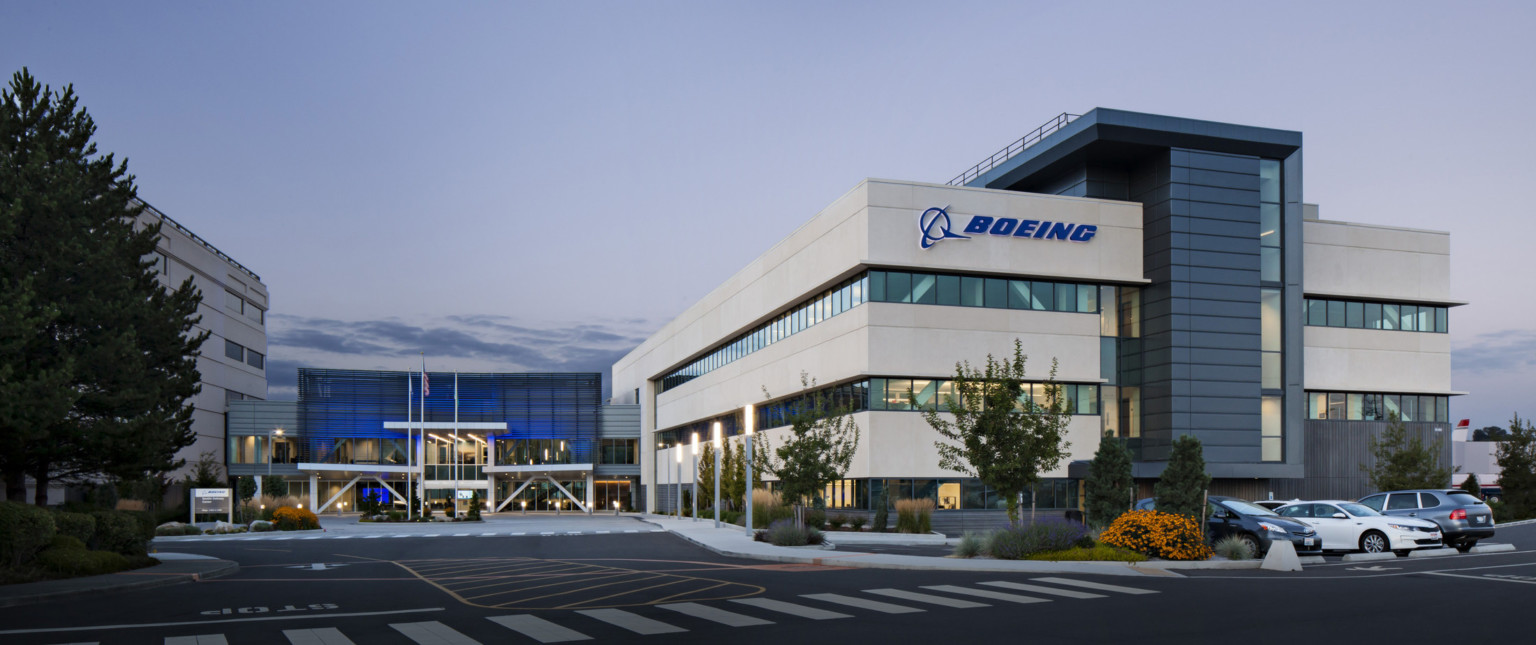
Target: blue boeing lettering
[979, 224]
[1026, 228]
[1004, 226]
[1061, 231]
[1084, 233]
[934, 226]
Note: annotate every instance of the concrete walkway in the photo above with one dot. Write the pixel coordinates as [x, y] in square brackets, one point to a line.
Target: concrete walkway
[733, 541]
[173, 569]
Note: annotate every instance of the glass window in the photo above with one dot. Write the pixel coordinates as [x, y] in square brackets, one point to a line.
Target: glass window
[1066, 297]
[923, 289]
[1374, 502]
[1355, 403]
[1317, 405]
[847, 295]
[1410, 408]
[234, 350]
[949, 290]
[254, 314]
[1402, 501]
[1018, 294]
[861, 290]
[1429, 500]
[1042, 296]
[1335, 313]
[925, 390]
[1427, 408]
[1442, 408]
[1371, 408]
[1269, 180]
[877, 394]
[1270, 363]
[1354, 315]
[1269, 225]
[255, 360]
[898, 287]
[1336, 406]
[1269, 320]
[1391, 406]
[1373, 315]
[1269, 264]
[1426, 318]
[946, 394]
[898, 393]
[1440, 320]
[997, 293]
[877, 286]
[1389, 316]
[971, 292]
[1087, 299]
[1409, 318]
[1317, 312]
[233, 302]
[837, 302]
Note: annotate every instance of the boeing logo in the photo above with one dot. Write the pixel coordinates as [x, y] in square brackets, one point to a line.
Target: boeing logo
[935, 226]
[934, 223]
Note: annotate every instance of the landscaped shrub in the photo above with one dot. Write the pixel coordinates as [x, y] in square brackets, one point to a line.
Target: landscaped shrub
[261, 526]
[1158, 534]
[1100, 553]
[882, 514]
[80, 562]
[61, 541]
[1050, 534]
[80, 526]
[396, 516]
[268, 505]
[225, 528]
[24, 530]
[1233, 548]
[119, 532]
[837, 521]
[970, 546]
[816, 518]
[784, 533]
[289, 518]
[768, 507]
[857, 522]
[914, 516]
[177, 528]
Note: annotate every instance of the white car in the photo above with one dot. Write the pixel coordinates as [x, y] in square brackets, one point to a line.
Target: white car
[1351, 526]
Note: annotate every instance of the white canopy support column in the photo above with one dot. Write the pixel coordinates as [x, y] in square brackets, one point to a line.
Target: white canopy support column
[338, 494]
[513, 496]
[568, 495]
[391, 489]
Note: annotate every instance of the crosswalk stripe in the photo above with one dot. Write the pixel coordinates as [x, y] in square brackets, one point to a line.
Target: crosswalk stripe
[204, 639]
[632, 622]
[791, 608]
[320, 636]
[862, 603]
[538, 629]
[983, 593]
[460, 535]
[433, 633]
[340, 537]
[1093, 585]
[715, 615]
[1065, 593]
[928, 598]
[366, 537]
[486, 534]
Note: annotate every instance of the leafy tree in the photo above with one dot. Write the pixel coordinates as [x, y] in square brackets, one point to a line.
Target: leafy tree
[245, 487]
[1109, 484]
[706, 474]
[205, 472]
[733, 482]
[1471, 485]
[101, 356]
[1404, 462]
[816, 451]
[277, 486]
[998, 433]
[1182, 487]
[1490, 433]
[1517, 470]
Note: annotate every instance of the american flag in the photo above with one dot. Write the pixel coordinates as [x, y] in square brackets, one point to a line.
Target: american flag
[426, 385]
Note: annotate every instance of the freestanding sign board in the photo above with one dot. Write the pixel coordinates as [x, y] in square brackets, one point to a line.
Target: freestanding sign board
[213, 500]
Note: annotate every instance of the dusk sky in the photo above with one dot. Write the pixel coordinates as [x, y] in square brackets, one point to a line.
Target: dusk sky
[539, 186]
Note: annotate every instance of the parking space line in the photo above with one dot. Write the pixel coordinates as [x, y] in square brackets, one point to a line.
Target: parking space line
[790, 608]
[1065, 593]
[433, 633]
[632, 622]
[715, 614]
[1488, 577]
[927, 598]
[538, 629]
[862, 603]
[1094, 585]
[320, 636]
[983, 593]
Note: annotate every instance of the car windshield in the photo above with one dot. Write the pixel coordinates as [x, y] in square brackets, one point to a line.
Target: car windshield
[1358, 510]
[1247, 509]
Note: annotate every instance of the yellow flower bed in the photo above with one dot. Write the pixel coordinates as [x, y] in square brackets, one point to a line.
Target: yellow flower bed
[1160, 535]
[289, 518]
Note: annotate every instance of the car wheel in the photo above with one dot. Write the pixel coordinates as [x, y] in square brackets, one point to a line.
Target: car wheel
[1374, 542]
[1465, 545]
[1253, 545]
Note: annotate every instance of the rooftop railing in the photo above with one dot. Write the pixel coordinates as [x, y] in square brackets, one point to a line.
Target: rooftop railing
[1014, 148]
[188, 232]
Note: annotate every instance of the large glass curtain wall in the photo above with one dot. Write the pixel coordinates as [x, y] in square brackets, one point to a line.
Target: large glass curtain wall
[1366, 406]
[533, 452]
[947, 494]
[444, 461]
[540, 495]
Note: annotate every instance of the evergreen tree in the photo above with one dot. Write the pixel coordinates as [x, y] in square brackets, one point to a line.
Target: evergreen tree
[706, 474]
[1517, 470]
[107, 353]
[274, 486]
[1108, 488]
[1471, 485]
[816, 451]
[999, 433]
[1403, 462]
[733, 482]
[1184, 482]
[245, 488]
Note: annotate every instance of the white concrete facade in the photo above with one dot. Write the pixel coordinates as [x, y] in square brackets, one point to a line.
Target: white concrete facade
[876, 225]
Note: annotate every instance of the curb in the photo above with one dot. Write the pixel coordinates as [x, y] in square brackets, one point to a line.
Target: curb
[1369, 557]
[145, 578]
[1493, 548]
[1432, 553]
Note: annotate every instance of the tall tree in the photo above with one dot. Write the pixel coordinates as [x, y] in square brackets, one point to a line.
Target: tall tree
[97, 324]
[999, 433]
[1405, 462]
[733, 482]
[1472, 486]
[818, 448]
[1517, 470]
[706, 473]
[1109, 486]
[1182, 487]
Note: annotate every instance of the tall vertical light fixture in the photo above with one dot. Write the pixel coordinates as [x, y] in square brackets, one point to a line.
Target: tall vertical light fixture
[749, 415]
[719, 444]
[695, 478]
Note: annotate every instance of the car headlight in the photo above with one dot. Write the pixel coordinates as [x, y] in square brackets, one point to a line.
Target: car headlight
[1402, 527]
[1271, 527]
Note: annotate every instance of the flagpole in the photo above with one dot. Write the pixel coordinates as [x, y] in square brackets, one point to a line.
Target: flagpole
[410, 446]
[422, 419]
[457, 472]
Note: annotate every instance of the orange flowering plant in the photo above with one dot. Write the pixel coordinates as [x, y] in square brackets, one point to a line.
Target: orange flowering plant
[1160, 535]
[289, 518]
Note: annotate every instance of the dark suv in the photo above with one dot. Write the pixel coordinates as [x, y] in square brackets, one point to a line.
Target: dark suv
[1256, 525]
[1463, 518]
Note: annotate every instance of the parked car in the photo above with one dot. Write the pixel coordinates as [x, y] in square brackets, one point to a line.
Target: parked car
[1463, 518]
[1256, 525]
[1351, 526]
[1273, 504]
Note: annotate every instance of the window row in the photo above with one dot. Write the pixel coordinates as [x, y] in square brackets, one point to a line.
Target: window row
[237, 352]
[1358, 406]
[931, 394]
[947, 494]
[974, 291]
[618, 451]
[237, 305]
[1376, 315]
[825, 305]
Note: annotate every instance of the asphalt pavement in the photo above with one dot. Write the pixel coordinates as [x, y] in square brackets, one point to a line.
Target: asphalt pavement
[655, 587]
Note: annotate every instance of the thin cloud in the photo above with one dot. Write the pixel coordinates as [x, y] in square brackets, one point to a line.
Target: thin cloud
[1509, 350]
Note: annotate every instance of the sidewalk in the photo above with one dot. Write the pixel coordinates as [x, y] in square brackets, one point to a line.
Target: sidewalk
[173, 569]
[732, 541]
[334, 526]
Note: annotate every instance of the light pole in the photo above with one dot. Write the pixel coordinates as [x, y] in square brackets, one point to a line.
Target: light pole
[271, 448]
[719, 443]
[679, 449]
[695, 496]
[749, 415]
